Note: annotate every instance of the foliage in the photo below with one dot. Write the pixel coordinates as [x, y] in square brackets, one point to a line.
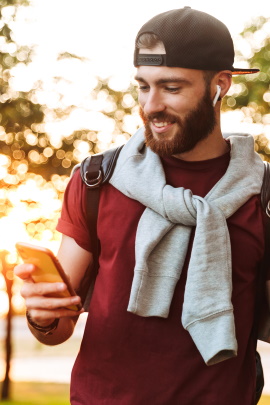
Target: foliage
[251, 93]
[34, 164]
[24, 140]
[17, 111]
[253, 90]
[36, 150]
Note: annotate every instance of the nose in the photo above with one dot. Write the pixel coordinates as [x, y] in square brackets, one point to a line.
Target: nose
[152, 103]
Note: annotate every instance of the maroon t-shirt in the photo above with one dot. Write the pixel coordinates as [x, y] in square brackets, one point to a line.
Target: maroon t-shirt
[126, 359]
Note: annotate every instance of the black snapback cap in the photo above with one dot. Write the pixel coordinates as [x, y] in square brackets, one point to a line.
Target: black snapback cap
[192, 39]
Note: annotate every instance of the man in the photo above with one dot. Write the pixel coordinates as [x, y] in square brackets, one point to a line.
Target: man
[181, 232]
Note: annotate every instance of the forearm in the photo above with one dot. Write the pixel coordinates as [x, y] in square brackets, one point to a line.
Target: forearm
[42, 299]
[62, 333]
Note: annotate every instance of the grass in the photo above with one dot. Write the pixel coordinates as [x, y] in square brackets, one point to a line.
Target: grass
[25, 347]
[28, 393]
[265, 400]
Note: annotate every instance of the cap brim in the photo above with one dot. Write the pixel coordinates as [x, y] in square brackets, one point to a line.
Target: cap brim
[236, 71]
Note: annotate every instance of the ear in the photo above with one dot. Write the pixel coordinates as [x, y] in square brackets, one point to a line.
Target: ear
[224, 80]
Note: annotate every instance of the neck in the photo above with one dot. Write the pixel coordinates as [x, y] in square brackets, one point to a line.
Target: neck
[209, 148]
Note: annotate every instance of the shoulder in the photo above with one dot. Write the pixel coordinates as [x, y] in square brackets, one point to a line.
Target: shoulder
[75, 179]
[75, 192]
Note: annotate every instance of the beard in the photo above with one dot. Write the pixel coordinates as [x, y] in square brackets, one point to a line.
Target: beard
[196, 126]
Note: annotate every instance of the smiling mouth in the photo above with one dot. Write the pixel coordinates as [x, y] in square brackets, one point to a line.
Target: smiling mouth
[162, 126]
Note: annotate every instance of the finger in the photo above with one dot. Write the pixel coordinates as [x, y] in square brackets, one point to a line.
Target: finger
[24, 271]
[42, 316]
[42, 289]
[51, 303]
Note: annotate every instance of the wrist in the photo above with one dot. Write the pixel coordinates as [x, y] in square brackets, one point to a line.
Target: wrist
[45, 330]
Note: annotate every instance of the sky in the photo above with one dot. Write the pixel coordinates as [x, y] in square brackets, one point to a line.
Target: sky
[104, 30]
[103, 33]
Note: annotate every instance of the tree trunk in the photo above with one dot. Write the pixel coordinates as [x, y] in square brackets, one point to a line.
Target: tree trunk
[5, 392]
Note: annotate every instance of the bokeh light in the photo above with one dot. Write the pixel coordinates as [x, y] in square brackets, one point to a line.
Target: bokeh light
[59, 103]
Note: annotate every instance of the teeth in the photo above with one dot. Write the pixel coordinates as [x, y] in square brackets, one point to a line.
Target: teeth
[161, 124]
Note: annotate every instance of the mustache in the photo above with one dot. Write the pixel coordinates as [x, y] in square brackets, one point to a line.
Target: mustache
[161, 116]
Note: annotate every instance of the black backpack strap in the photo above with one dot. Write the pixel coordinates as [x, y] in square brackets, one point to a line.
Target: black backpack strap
[260, 295]
[265, 190]
[262, 320]
[95, 170]
[265, 201]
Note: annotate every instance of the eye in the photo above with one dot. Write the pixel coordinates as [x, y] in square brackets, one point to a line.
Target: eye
[172, 89]
[143, 87]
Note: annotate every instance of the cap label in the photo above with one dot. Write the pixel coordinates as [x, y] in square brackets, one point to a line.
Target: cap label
[150, 60]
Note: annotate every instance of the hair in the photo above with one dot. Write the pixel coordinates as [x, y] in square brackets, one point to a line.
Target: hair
[208, 75]
[149, 40]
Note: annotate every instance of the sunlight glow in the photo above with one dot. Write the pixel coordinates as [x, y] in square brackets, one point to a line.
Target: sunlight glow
[80, 115]
[4, 304]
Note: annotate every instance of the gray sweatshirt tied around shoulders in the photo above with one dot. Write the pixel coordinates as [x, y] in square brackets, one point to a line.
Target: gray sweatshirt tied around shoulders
[163, 235]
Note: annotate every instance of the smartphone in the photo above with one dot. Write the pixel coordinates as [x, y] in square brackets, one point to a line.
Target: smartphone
[48, 268]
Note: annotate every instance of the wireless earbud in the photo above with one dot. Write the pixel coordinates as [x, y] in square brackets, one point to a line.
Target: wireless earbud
[217, 95]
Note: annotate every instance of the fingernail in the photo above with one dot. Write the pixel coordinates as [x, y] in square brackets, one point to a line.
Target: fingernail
[61, 286]
[75, 300]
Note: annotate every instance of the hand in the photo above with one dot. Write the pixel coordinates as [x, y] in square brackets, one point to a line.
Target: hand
[43, 309]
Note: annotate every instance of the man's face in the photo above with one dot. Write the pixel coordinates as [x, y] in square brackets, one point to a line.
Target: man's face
[176, 107]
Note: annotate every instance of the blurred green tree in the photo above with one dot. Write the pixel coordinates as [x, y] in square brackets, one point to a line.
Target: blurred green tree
[16, 113]
[17, 110]
[27, 151]
[251, 93]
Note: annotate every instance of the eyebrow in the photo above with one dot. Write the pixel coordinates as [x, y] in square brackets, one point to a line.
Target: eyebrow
[171, 79]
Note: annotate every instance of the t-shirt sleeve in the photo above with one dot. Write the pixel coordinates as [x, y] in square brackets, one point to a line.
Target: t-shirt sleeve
[72, 221]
